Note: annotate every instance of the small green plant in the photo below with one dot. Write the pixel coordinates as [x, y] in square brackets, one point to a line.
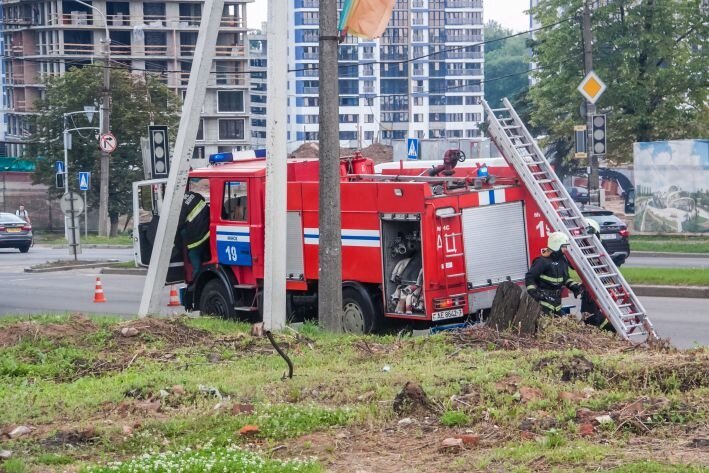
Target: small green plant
[14, 465]
[554, 439]
[51, 459]
[455, 419]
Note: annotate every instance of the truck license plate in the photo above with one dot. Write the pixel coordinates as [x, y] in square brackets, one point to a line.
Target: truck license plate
[447, 314]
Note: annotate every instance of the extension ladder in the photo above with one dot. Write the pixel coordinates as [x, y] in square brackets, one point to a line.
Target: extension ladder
[600, 275]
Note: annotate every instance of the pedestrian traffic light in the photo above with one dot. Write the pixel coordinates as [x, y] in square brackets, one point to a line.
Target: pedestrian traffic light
[159, 151]
[599, 134]
[59, 177]
[580, 142]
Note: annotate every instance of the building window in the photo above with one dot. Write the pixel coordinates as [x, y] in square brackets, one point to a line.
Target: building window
[200, 131]
[230, 101]
[231, 129]
[198, 152]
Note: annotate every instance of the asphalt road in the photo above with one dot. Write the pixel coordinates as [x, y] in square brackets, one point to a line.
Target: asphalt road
[684, 321]
[667, 262]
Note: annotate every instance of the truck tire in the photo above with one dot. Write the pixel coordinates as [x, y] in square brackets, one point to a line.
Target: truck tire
[359, 314]
[215, 301]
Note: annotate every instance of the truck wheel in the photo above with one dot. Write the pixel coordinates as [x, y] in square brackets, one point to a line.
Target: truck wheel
[215, 300]
[358, 312]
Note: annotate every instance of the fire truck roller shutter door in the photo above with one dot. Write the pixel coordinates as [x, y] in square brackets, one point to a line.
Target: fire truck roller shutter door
[495, 241]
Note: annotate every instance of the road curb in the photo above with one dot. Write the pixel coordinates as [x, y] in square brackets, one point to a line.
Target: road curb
[69, 268]
[692, 292]
[131, 271]
[88, 246]
[655, 254]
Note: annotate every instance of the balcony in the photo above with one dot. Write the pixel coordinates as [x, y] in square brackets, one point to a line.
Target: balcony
[120, 49]
[231, 50]
[187, 49]
[310, 56]
[464, 3]
[155, 49]
[311, 4]
[82, 49]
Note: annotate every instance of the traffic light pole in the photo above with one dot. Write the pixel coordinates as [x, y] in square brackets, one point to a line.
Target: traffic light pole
[593, 193]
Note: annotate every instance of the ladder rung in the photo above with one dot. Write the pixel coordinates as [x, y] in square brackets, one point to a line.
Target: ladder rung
[608, 286]
[600, 266]
[622, 306]
[608, 275]
[511, 127]
[634, 314]
[543, 181]
[499, 110]
[633, 326]
[570, 218]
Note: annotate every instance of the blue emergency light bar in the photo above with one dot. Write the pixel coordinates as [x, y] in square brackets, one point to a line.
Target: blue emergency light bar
[218, 158]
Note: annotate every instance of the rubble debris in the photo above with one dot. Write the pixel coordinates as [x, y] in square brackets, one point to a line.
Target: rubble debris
[412, 400]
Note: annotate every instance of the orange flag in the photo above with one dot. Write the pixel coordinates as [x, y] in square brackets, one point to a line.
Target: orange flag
[366, 18]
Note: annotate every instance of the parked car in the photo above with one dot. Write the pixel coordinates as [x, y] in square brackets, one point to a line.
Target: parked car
[15, 232]
[614, 232]
[578, 194]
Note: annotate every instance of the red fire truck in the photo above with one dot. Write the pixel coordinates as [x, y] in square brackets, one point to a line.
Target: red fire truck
[419, 245]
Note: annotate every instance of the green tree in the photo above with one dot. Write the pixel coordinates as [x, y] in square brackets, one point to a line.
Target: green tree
[652, 56]
[136, 101]
[506, 61]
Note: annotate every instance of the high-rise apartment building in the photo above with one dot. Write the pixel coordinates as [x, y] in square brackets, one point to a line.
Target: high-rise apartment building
[422, 78]
[258, 60]
[44, 38]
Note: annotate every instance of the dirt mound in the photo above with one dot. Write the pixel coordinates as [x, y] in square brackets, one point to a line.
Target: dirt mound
[667, 373]
[571, 368]
[412, 400]
[379, 153]
[554, 334]
[172, 332]
[75, 328]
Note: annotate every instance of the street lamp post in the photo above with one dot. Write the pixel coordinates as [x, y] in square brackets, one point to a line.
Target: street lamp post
[89, 112]
[104, 125]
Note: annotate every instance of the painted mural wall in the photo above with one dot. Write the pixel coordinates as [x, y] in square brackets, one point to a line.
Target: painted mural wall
[672, 186]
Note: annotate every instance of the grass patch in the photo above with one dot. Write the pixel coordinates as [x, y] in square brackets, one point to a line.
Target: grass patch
[205, 460]
[669, 244]
[123, 239]
[179, 392]
[667, 276]
[124, 264]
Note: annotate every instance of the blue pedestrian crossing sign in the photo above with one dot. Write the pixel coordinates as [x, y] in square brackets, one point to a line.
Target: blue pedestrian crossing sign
[412, 148]
[59, 167]
[84, 181]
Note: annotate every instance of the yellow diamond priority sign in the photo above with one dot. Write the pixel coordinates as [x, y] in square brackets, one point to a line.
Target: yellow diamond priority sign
[592, 87]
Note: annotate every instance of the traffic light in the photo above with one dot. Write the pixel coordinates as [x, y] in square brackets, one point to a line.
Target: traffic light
[599, 134]
[159, 151]
[59, 177]
[580, 142]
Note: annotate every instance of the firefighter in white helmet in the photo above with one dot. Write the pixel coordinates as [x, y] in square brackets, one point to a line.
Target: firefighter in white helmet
[549, 274]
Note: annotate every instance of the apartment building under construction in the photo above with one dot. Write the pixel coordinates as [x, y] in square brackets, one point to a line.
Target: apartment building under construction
[45, 38]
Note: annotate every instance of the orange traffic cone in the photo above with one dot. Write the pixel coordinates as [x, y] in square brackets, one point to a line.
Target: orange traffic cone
[174, 300]
[98, 292]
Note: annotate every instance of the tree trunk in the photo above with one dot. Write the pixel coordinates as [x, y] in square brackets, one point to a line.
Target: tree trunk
[114, 226]
[514, 308]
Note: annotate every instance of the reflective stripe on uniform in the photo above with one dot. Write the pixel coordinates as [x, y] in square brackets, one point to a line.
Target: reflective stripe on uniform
[531, 286]
[548, 305]
[196, 210]
[551, 279]
[199, 242]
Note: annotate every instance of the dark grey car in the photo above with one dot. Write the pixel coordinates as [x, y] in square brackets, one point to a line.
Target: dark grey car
[15, 232]
[614, 232]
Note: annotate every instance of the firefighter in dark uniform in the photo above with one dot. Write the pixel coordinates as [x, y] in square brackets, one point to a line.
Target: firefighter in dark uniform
[549, 274]
[194, 229]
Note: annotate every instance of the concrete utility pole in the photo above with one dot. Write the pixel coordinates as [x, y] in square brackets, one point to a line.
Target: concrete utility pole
[184, 146]
[330, 244]
[593, 194]
[274, 296]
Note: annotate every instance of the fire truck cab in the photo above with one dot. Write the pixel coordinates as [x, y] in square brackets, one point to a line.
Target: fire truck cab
[415, 247]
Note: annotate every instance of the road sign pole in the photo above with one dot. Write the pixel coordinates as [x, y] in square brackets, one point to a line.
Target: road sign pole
[86, 218]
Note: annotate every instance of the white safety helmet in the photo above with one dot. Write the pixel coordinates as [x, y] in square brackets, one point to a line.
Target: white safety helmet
[557, 240]
[594, 225]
